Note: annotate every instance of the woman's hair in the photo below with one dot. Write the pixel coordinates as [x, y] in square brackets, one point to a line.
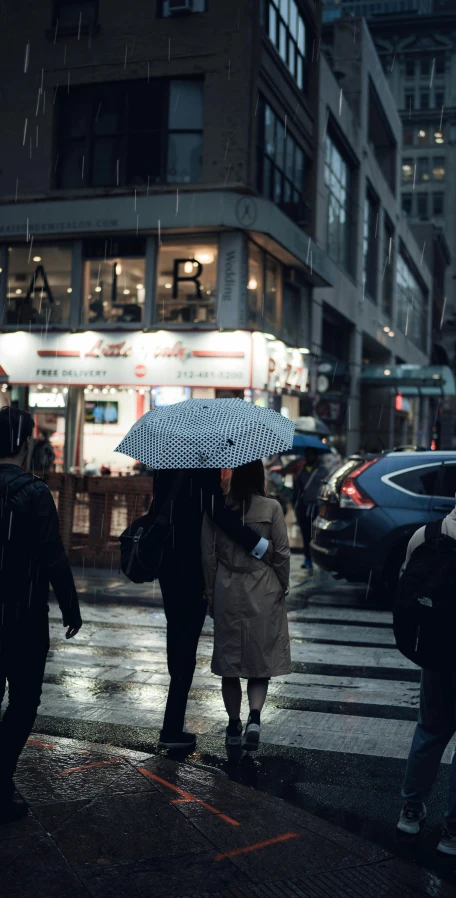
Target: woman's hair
[247, 481]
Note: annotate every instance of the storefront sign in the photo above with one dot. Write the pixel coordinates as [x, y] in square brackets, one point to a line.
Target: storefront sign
[46, 400]
[236, 360]
[232, 280]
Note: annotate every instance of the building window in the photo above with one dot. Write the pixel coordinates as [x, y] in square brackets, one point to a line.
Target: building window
[423, 137]
[388, 267]
[422, 205]
[136, 133]
[423, 168]
[338, 190]
[425, 67]
[437, 203]
[262, 289]
[409, 100]
[424, 99]
[408, 137]
[75, 15]
[38, 284]
[166, 8]
[408, 169]
[410, 68]
[438, 168]
[439, 98]
[287, 31]
[407, 200]
[281, 162]
[271, 285]
[440, 64]
[411, 304]
[255, 285]
[370, 245]
[114, 281]
[187, 282]
[290, 313]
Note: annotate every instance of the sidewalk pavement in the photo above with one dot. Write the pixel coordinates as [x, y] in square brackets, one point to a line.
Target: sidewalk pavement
[106, 822]
[112, 586]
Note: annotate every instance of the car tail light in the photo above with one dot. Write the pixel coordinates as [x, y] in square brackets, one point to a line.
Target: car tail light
[351, 493]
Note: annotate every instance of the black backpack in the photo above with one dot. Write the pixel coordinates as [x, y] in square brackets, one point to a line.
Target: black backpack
[142, 543]
[14, 532]
[424, 611]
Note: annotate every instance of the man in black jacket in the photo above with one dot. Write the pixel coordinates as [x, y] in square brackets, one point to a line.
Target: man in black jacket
[182, 583]
[31, 556]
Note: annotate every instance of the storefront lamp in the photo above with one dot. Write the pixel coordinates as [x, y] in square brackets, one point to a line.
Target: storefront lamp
[387, 371]
[65, 389]
[252, 284]
[391, 334]
[126, 292]
[386, 329]
[37, 258]
[1, 269]
[97, 289]
[118, 269]
[188, 267]
[168, 286]
[204, 258]
[18, 291]
[140, 286]
[40, 387]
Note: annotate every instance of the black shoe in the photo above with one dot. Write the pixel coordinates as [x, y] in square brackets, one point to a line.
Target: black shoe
[251, 737]
[177, 740]
[13, 808]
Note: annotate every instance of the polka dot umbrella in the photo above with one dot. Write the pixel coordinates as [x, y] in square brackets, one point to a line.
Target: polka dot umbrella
[207, 433]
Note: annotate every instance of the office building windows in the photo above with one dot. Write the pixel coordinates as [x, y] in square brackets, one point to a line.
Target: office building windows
[287, 31]
[370, 244]
[281, 161]
[437, 203]
[407, 201]
[338, 193]
[411, 303]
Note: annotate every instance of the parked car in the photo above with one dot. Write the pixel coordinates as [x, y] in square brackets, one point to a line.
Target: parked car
[370, 507]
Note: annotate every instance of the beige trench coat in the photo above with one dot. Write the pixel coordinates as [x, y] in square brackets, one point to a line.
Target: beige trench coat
[247, 596]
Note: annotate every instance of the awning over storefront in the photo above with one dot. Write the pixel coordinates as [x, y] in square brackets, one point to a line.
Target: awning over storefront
[411, 380]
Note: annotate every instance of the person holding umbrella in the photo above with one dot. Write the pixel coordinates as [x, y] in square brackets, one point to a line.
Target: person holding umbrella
[187, 445]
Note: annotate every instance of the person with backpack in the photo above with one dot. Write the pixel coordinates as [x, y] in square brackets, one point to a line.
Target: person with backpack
[306, 488]
[31, 556]
[43, 455]
[247, 601]
[424, 618]
[180, 499]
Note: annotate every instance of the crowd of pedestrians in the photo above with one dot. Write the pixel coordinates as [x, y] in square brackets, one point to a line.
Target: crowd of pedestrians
[226, 554]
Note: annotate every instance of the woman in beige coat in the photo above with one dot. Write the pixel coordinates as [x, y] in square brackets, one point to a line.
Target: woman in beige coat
[247, 601]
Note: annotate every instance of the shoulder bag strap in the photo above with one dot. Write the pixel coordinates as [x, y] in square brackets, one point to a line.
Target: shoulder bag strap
[433, 530]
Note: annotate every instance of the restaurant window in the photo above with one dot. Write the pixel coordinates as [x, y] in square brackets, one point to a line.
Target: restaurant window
[423, 168]
[75, 15]
[136, 133]
[411, 304]
[388, 267]
[409, 100]
[281, 162]
[255, 285]
[439, 97]
[408, 168]
[338, 195]
[287, 31]
[114, 281]
[437, 203]
[370, 244]
[187, 282]
[38, 284]
[407, 202]
[438, 168]
[424, 99]
[422, 205]
[290, 313]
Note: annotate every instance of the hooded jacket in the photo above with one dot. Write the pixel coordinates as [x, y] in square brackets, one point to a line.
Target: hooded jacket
[32, 554]
[448, 529]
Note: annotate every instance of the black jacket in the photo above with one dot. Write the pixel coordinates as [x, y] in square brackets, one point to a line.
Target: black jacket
[200, 492]
[32, 553]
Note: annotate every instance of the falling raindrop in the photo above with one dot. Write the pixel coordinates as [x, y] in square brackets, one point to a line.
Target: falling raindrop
[25, 132]
[177, 200]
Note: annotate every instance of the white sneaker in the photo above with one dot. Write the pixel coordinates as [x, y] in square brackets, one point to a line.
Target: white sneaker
[447, 844]
[251, 737]
[411, 817]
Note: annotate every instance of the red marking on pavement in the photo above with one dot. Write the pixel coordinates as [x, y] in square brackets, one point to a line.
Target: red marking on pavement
[265, 844]
[186, 796]
[59, 353]
[88, 766]
[40, 744]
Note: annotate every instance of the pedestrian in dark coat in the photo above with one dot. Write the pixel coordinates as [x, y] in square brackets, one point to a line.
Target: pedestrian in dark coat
[182, 583]
[31, 556]
[307, 488]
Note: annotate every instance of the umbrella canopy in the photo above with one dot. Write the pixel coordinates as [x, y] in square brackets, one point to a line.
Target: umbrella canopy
[303, 441]
[207, 433]
[311, 424]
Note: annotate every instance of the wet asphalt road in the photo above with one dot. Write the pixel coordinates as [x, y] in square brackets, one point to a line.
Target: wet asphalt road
[336, 732]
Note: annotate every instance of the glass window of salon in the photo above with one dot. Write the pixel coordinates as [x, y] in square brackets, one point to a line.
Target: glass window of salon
[38, 284]
[113, 288]
[187, 282]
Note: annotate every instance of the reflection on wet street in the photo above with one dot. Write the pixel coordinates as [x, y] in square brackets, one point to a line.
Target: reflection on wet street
[335, 732]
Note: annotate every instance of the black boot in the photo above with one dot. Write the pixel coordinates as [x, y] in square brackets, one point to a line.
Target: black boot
[12, 806]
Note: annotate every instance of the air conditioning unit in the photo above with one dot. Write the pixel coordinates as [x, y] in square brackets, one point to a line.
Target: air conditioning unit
[180, 7]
